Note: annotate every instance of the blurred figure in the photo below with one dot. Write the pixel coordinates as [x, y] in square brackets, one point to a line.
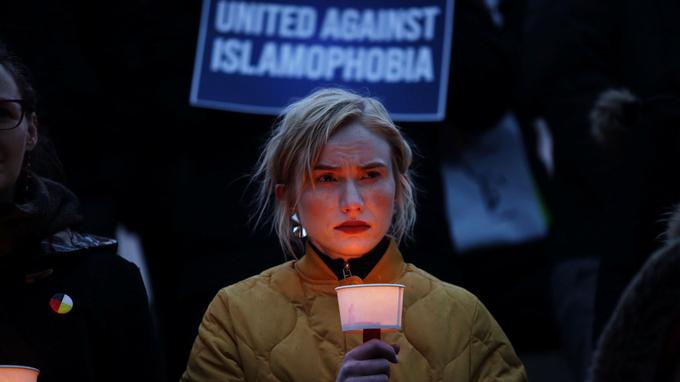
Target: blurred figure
[337, 170]
[607, 199]
[641, 340]
[493, 195]
[71, 307]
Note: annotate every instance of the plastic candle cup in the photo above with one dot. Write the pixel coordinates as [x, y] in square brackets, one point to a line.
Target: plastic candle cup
[370, 308]
[15, 373]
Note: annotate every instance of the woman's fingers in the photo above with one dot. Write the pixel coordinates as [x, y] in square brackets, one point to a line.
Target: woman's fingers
[372, 378]
[364, 370]
[374, 349]
[369, 362]
[358, 368]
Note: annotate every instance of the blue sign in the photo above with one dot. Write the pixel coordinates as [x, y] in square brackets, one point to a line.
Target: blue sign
[258, 57]
[490, 194]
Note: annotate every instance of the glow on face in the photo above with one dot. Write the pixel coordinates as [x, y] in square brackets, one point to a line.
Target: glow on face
[347, 206]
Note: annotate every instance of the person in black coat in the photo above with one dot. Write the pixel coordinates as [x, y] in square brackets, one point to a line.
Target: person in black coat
[611, 186]
[641, 340]
[71, 307]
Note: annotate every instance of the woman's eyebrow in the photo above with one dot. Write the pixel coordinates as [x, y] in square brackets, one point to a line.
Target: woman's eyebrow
[366, 166]
[322, 166]
[372, 165]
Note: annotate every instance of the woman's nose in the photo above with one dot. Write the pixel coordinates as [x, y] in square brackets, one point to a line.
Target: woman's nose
[351, 200]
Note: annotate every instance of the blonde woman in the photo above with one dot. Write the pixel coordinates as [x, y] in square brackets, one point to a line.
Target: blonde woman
[336, 170]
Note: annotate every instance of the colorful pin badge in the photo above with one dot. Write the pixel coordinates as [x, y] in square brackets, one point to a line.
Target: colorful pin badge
[61, 303]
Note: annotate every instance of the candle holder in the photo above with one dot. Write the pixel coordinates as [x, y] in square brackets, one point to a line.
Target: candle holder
[370, 308]
[17, 373]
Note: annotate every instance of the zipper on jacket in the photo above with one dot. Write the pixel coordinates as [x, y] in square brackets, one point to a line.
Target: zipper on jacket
[346, 272]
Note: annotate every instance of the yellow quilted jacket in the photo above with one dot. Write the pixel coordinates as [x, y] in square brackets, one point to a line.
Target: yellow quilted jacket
[284, 325]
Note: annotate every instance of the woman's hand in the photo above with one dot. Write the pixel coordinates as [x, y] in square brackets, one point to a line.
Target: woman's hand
[369, 362]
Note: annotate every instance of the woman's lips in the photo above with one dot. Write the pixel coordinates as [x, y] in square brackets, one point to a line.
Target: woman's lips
[355, 226]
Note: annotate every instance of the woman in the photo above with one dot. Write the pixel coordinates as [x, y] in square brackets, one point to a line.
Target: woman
[337, 165]
[71, 307]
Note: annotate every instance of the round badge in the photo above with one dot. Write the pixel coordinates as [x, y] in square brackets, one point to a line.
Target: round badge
[61, 303]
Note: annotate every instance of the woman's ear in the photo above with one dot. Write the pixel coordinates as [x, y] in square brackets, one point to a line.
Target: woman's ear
[280, 192]
[32, 132]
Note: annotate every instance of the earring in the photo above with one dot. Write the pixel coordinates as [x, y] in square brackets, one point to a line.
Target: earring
[298, 230]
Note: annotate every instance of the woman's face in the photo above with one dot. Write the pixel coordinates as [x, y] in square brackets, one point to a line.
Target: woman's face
[348, 205]
[13, 143]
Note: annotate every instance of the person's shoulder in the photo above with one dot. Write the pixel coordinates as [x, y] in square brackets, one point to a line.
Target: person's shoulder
[71, 242]
[92, 262]
[71, 249]
[101, 254]
[277, 278]
[91, 265]
[425, 285]
[273, 290]
[98, 254]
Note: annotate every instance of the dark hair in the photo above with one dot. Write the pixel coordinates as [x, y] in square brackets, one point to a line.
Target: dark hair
[21, 76]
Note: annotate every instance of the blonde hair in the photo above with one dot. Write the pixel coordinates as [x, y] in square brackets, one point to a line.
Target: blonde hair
[296, 142]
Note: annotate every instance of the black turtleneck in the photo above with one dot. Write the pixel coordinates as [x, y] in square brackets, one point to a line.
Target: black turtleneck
[360, 266]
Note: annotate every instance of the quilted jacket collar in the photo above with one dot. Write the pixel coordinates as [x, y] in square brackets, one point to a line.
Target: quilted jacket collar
[389, 268]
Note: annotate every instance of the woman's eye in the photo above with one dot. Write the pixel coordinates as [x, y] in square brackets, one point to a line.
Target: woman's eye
[371, 175]
[325, 178]
[5, 114]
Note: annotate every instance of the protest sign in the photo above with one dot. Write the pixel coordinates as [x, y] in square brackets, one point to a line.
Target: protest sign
[257, 57]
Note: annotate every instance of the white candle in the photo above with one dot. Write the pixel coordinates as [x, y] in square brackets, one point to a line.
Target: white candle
[370, 306]
[15, 373]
